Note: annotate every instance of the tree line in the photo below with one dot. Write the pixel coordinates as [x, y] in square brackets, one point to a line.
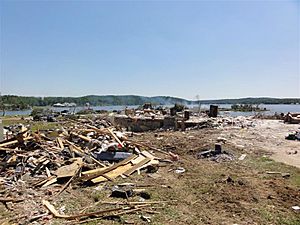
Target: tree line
[13, 102]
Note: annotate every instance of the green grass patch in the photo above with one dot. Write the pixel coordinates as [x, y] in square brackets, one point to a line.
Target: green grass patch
[265, 164]
[35, 126]
[289, 221]
[8, 122]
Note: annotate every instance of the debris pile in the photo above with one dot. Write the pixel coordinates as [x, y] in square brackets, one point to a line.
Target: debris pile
[141, 120]
[83, 152]
[293, 118]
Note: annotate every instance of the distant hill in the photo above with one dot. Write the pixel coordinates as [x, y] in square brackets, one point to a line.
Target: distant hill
[22, 102]
[260, 100]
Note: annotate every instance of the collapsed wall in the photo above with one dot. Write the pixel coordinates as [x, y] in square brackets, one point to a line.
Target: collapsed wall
[141, 124]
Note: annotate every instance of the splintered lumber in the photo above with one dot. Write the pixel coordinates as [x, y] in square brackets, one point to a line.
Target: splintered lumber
[87, 139]
[154, 160]
[48, 172]
[149, 147]
[69, 181]
[172, 155]
[100, 171]
[94, 171]
[138, 159]
[39, 183]
[75, 149]
[148, 155]
[113, 174]
[53, 210]
[69, 170]
[119, 170]
[64, 171]
[115, 137]
[49, 182]
[11, 150]
[137, 166]
[37, 137]
[97, 162]
[14, 142]
[58, 215]
[60, 143]
[100, 131]
[10, 200]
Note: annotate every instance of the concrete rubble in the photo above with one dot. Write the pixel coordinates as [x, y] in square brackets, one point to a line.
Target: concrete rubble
[142, 120]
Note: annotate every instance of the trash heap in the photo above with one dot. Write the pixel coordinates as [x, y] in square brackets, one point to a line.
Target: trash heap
[82, 151]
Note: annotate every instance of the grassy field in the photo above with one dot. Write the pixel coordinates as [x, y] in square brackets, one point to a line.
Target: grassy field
[34, 125]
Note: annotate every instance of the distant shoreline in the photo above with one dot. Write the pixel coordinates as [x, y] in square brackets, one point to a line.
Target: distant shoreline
[23, 102]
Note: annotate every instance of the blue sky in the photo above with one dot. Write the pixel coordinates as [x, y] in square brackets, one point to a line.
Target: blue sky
[214, 49]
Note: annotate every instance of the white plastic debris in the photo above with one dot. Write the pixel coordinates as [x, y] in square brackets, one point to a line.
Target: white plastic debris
[180, 170]
[296, 207]
[242, 157]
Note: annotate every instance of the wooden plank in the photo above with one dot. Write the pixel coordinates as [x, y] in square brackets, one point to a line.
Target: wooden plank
[137, 166]
[119, 170]
[75, 148]
[87, 139]
[94, 171]
[15, 142]
[48, 172]
[138, 159]
[11, 150]
[148, 155]
[99, 173]
[115, 137]
[53, 210]
[100, 131]
[69, 170]
[149, 147]
[39, 183]
[97, 162]
[60, 143]
[69, 181]
[10, 200]
[152, 162]
[49, 182]
[112, 174]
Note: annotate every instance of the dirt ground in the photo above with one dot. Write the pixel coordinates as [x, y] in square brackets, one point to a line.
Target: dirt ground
[230, 191]
[267, 135]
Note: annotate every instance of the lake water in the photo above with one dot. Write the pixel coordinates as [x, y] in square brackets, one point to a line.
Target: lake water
[272, 109]
[77, 109]
[276, 108]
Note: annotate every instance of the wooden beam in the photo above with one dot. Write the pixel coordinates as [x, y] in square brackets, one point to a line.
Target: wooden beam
[137, 166]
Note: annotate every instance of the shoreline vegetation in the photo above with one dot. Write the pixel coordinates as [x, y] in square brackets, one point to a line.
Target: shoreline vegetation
[245, 108]
[13, 102]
